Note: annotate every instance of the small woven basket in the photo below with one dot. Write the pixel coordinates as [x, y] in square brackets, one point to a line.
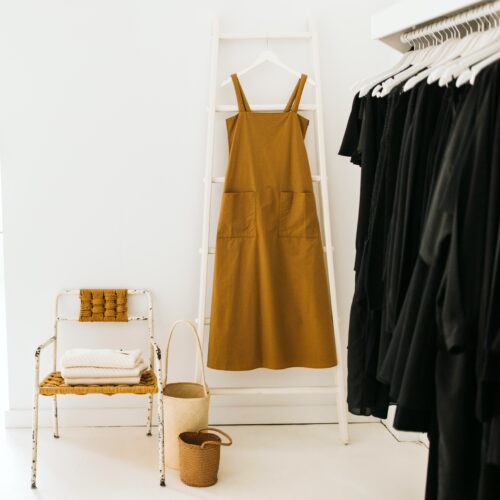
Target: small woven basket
[199, 456]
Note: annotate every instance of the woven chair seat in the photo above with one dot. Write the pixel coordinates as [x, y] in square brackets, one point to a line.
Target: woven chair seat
[54, 384]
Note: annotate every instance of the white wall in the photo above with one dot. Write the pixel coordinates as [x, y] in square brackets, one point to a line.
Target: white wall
[102, 142]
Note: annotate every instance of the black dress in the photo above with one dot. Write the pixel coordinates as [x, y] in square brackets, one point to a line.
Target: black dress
[362, 142]
[464, 469]
[412, 344]
[425, 318]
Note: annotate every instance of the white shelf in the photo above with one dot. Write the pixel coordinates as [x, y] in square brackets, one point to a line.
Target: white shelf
[389, 24]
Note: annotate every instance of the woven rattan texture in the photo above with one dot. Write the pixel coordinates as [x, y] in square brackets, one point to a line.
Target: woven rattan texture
[53, 384]
[198, 466]
[103, 305]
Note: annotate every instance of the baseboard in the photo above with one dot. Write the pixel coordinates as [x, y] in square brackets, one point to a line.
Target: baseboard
[219, 415]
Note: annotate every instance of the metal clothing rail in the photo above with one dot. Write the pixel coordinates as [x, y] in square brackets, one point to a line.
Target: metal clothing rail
[463, 18]
[406, 17]
[338, 387]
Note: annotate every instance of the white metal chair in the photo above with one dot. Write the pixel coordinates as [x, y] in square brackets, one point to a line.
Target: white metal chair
[53, 384]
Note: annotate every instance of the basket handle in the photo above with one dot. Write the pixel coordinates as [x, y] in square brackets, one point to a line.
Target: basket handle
[218, 443]
[200, 351]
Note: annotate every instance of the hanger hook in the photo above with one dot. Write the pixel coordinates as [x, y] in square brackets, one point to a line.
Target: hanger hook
[436, 34]
[469, 24]
[492, 16]
[486, 18]
[412, 42]
[436, 38]
[453, 30]
[446, 32]
[496, 16]
[432, 35]
[449, 33]
[439, 33]
[476, 21]
[461, 21]
[489, 16]
[430, 38]
[480, 23]
[422, 40]
[416, 40]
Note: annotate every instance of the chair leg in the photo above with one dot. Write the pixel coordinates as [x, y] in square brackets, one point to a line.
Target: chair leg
[161, 443]
[55, 414]
[150, 414]
[34, 441]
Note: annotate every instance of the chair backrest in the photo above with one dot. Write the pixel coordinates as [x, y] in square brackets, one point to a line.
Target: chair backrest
[87, 299]
[147, 318]
[122, 314]
[103, 305]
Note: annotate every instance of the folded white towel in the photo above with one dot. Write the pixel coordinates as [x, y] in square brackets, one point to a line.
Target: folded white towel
[101, 358]
[93, 372]
[103, 381]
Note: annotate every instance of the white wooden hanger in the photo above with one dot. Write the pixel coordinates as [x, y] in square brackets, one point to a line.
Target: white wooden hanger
[478, 61]
[364, 86]
[475, 70]
[487, 44]
[481, 58]
[417, 64]
[271, 57]
[441, 47]
[449, 54]
[462, 45]
[425, 58]
[467, 60]
[449, 50]
[442, 52]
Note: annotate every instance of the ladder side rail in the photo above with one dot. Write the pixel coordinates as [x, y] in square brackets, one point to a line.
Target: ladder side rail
[341, 393]
[207, 197]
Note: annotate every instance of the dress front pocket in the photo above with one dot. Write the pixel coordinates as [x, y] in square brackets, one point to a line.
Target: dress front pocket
[297, 215]
[237, 217]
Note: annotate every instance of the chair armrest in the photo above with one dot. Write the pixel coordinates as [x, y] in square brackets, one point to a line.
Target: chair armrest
[157, 351]
[43, 345]
[38, 351]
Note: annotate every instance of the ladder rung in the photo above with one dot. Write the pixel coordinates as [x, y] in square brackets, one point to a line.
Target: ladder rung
[220, 180]
[207, 321]
[225, 391]
[211, 250]
[263, 36]
[232, 108]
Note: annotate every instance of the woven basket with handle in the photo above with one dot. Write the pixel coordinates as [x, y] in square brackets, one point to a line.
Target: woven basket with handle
[185, 404]
[199, 456]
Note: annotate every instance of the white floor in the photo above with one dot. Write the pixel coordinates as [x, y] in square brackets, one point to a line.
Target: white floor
[290, 462]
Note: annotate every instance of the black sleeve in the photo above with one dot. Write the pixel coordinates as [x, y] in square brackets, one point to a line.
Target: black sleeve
[350, 142]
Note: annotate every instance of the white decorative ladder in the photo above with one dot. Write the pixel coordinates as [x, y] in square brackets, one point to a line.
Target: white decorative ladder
[338, 388]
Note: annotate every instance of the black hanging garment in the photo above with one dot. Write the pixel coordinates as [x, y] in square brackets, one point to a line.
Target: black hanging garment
[362, 142]
[424, 329]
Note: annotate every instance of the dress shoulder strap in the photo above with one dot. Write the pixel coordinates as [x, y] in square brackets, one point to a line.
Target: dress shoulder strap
[294, 101]
[240, 95]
